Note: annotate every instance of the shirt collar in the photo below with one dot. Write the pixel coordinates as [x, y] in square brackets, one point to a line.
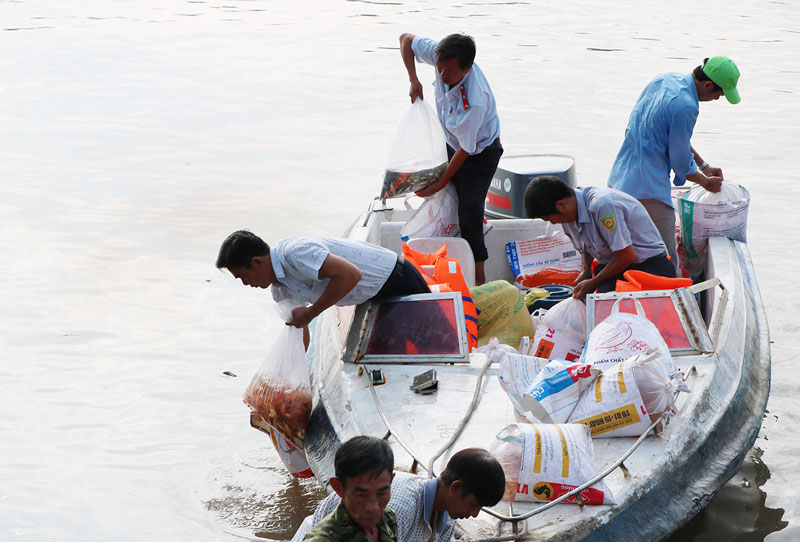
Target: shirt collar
[429, 495]
[583, 212]
[689, 80]
[275, 258]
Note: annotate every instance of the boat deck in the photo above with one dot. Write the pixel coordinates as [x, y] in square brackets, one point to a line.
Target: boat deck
[674, 473]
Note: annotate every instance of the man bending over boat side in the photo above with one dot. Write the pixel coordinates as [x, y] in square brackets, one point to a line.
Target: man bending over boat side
[425, 508]
[467, 111]
[364, 471]
[603, 224]
[658, 140]
[319, 271]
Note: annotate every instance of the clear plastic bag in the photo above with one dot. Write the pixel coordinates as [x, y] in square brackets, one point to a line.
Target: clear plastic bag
[418, 155]
[280, 391]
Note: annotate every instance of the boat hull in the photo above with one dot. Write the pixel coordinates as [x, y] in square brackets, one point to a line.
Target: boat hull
[667, 481]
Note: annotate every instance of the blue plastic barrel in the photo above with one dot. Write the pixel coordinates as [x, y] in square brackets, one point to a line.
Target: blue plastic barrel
[557, 292]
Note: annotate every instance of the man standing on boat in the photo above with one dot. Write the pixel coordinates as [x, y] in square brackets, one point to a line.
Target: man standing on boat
[426, 508]
[603, 224]
[319, 271]
[466, 108]
[658, 140]
[364, 470]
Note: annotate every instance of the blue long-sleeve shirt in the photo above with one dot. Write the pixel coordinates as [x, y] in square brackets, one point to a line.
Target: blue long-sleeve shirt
[657, 139]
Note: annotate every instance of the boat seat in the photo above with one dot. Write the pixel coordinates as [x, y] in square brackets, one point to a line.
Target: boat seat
[390, 236]
[457, 248]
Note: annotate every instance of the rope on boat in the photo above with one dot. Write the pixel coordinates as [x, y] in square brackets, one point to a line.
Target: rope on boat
[476, 398]
[503, 518]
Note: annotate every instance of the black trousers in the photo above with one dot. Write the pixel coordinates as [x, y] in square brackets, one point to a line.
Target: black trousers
[472, 183]
[404, 280]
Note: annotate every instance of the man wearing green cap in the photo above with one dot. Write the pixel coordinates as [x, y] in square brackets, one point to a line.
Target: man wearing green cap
[658, 140]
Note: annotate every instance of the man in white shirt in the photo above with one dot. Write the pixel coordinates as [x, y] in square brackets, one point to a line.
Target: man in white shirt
[425, 508]
[319, 271]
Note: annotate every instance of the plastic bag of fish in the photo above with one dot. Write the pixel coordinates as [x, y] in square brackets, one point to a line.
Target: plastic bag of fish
[418, 155]
[280, 391]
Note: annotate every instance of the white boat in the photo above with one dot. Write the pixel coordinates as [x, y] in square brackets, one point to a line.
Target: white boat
[659, 481]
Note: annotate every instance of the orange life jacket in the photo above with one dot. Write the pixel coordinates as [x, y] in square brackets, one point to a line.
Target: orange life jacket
[638, 281]
[448, 271]
[448, 278]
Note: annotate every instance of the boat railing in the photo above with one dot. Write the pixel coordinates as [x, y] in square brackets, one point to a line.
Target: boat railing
[513, 519]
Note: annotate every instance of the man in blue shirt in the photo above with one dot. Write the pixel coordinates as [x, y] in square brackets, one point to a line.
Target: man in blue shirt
[466, 108]
[603, 224]
[658, 140]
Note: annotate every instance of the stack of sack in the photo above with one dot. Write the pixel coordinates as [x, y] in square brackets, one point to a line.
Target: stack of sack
[624, 381]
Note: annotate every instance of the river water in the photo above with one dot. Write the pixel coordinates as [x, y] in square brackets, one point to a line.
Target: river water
[134, 136]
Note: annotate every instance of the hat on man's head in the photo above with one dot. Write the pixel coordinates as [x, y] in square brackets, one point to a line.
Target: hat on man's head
[724, 73]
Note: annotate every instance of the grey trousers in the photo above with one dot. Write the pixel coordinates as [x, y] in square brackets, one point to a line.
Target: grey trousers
[664, 218]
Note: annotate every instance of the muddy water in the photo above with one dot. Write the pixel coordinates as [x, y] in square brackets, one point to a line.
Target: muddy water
[135, 136]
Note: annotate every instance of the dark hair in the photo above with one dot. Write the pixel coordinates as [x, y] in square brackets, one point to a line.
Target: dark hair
[479, 473]
[239, 248]
[361, 455]
[458, 46]
[542, 193]
[700, 75]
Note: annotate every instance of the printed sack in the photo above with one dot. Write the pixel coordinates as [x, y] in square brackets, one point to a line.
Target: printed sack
[561, 331]
[627, 398]
[280, 391]
[548, 259]
[437, 216]
[623, 335]
[707, 214]
[544, 390]
[545, 461]
[418, 155]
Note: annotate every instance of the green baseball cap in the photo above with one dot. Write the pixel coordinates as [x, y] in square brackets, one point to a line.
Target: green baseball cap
[724, 73]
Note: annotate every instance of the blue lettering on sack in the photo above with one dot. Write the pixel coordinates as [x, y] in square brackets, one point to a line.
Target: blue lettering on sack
[553, 385]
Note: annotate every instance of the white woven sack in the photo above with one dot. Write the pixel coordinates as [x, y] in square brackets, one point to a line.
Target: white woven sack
[436, 217]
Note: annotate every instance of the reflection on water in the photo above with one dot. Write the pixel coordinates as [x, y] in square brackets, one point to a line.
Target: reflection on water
[738, 512]
[270, 513]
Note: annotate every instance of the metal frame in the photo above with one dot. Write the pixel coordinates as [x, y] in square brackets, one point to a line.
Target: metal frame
[364, 321]
[686, 307]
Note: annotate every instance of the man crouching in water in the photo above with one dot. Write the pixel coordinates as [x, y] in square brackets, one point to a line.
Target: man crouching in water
[364, 471]
[425, 508]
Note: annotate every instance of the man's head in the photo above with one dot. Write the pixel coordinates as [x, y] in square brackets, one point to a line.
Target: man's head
[716, 77]
[364, 470]
[454, 56]
[550, 198]
[246, 256]
[473, 478]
